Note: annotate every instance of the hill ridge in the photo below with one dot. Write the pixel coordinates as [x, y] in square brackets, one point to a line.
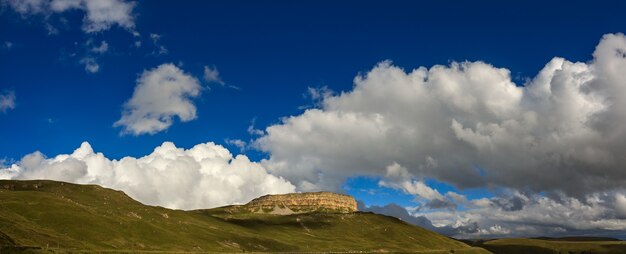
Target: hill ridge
[42, 214]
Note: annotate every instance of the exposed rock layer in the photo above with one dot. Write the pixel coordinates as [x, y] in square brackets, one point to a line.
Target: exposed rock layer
[304, 202]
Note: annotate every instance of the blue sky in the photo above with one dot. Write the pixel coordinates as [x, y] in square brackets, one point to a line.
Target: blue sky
[268, 55]
[272, 52]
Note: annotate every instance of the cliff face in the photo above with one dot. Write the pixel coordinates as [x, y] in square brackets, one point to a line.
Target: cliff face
[303, 202]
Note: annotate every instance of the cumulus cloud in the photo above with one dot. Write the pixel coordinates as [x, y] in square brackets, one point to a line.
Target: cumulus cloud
[317, 96]
[207, 175]
[519, 215]
[7, 100]
[161, 94]
[401, 179]
[539, 215]
[467, 124]
[99, 15]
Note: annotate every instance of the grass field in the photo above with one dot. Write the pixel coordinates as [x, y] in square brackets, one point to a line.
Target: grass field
[552, 246]
[60, 217]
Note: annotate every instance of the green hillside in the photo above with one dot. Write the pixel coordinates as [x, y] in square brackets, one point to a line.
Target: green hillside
[60, 217]
[569, 245]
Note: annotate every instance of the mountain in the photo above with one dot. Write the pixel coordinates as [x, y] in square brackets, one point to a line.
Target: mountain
[48, 215]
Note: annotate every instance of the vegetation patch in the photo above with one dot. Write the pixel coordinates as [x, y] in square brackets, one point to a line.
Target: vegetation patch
[49, 216]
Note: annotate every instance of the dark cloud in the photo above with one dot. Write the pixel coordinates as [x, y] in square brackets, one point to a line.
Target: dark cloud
[440, 204]
[514, 203]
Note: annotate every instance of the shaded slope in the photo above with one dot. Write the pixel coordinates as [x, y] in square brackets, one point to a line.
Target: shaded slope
[59, 215]
[574, 245]
[339, 232]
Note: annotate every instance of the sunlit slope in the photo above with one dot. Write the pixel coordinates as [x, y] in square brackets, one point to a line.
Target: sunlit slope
[57, 215]
[45, 213]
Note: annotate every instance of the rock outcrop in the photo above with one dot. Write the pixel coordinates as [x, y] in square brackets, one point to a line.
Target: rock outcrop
[303, 203]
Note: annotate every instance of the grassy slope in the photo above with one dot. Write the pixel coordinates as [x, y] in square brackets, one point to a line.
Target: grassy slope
[552, 246]
[86, 217]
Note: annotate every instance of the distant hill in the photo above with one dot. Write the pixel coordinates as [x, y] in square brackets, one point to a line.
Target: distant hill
[57, 216]
[547, 245]
[578, 238]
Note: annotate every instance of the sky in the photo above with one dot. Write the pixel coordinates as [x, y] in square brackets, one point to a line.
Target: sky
[473, 119]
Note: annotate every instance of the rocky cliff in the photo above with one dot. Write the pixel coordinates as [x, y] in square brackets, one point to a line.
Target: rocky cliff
[303, 202]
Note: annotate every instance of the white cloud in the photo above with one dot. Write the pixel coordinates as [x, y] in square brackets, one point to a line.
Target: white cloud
[620, 205]
[467, 124]
[90, 63]
[161, 94]
[103, 48]
[100, 15]
[7, 100]
[25, 7]
[161, 50]
[204, 176]
[212, 75]
[398, 177]
[514, 214]
[92, 53]
[8, 45]
[317, 96]
[252, 130]
[536, 216]
[238, 143]
[420, 189]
